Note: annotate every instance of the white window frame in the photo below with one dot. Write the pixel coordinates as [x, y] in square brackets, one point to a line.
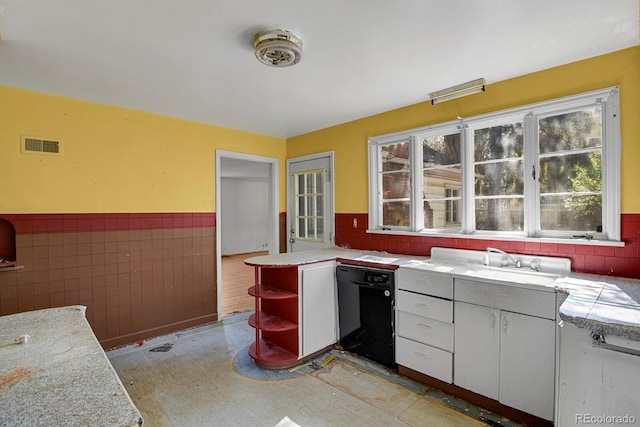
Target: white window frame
[608, 98]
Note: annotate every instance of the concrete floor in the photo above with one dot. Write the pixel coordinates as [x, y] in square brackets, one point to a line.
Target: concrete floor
[205, 378]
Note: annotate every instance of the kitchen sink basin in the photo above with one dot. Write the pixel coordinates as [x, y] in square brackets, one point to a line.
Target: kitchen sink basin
[522, 276]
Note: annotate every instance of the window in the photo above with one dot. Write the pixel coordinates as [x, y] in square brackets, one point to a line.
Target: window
[544, 170]
[309, 196]
[452, 206]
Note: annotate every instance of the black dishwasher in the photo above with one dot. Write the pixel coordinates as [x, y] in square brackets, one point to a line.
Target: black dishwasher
[366, 312]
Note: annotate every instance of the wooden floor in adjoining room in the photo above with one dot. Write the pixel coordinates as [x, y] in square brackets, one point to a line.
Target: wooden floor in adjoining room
[237, 278]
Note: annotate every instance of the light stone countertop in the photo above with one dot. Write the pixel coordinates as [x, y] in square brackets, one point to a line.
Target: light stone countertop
[602, 304]
[61, 375]
[329, 254]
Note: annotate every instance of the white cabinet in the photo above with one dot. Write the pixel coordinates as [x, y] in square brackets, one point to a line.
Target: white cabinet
[507, 356]
[595, 382]
[424, 322]
[317, 292]
[477, 349]
[527, 363]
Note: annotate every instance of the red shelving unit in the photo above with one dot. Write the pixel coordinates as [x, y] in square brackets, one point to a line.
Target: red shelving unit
[276, 317]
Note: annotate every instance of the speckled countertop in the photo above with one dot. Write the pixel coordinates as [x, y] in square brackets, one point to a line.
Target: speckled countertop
[328, 254]
[602, 304]
[60, 376]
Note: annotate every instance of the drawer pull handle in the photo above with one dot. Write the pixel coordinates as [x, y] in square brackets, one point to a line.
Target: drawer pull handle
[422, 282]
[425, 325]
[422, 355]
[422, 305]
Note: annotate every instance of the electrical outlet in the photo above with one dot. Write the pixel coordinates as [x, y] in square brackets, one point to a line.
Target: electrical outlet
[355, 222]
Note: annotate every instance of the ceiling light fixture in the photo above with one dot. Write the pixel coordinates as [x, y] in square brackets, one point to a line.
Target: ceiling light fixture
[278, 48]
[464, 89]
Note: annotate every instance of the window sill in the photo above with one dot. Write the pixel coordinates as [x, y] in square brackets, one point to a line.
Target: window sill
[556, 240]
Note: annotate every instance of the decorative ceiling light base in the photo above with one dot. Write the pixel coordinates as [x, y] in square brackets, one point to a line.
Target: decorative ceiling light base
[278, 48]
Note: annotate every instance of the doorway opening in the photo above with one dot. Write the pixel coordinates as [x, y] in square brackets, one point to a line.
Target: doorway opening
[246, 223]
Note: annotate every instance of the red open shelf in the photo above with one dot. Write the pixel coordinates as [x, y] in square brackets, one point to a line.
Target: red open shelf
[268, 355]
[268, 292]
[267, 322]
[276, 317]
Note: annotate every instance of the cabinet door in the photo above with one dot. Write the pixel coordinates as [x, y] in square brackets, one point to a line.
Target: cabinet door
[318, 307]
[476, 360]
[527, 363]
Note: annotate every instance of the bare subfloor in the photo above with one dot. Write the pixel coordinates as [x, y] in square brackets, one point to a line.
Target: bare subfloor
[204, 378]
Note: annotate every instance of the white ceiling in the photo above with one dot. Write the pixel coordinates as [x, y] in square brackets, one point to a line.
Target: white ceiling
[194, 58]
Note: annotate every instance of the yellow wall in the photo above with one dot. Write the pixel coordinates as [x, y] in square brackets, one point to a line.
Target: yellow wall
[349, 140]
[122, 160]
[114, 159]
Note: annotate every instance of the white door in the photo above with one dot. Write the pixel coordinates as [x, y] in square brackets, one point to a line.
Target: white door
[310, 202]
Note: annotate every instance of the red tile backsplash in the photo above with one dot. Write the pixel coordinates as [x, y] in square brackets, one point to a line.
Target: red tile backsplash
[607, 260]
[60, 223]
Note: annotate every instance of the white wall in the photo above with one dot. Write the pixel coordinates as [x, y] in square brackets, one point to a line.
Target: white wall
[245, 215]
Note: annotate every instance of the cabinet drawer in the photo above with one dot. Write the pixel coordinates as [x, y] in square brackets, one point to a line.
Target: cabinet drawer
[422, 358]
[505, 297]
[422, 305]
[439, 285]
[426, 331]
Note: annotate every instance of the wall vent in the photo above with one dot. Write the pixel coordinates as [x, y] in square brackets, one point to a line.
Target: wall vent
[40, 145]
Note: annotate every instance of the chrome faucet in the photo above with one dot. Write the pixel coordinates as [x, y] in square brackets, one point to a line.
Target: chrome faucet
[516, 262]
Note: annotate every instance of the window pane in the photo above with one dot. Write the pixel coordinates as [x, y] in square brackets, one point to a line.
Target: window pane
[310, 183]
[320, 182]
[498, 142]
[435, 180]
[395, 185]
[301, 206]
[500, 178]
[311, 228]
[571, 131]
[396, 214]
[441, 214]
[301, 228]
[441, 150]
[319, 228]
[395, 157]
[504, 214]
[301, 186]
[581, 213]
[320, 206]
[311, 205]
[571, 173]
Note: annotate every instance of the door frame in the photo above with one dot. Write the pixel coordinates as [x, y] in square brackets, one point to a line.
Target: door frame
[329, 203]
[274, 200]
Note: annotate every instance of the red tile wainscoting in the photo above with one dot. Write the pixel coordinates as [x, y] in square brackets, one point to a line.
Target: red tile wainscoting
[140, 275]
[607, 260]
